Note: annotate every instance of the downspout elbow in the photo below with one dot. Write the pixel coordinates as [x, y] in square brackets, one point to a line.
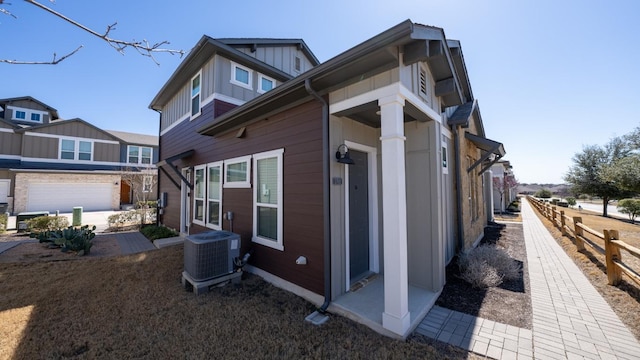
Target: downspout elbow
[325, 197]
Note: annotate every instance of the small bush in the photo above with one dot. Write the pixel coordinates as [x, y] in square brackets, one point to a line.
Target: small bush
[77, 239]
[543, 194]
[487, 266]
[630, 207]
[47, 223]
[132, 217]
[153, 232]
[571, 201]
[3, 223]
[147, 204]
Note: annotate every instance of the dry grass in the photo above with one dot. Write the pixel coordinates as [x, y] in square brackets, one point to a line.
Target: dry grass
[134, 306]
[624, 298]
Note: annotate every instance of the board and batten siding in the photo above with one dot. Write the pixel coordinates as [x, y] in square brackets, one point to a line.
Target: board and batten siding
[299, 132]
[27, 104]
[106, 152]
[10, 143]
[280, 57]
[40, 147]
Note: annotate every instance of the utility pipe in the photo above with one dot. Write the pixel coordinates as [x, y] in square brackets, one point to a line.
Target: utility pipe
[456, 142]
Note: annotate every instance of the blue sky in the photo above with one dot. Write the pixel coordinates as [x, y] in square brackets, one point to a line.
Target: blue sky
[550, 76]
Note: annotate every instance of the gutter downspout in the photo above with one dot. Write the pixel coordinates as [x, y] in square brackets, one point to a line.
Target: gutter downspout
[456, 142]
[326, 213]
[158, 215]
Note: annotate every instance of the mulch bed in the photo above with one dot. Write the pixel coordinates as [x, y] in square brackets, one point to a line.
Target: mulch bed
[510, 303]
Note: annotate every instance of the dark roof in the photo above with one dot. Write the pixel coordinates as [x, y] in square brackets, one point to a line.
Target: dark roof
[200, 54]
[266, 42]
[366, 59]
[53, 111]
[61, 122]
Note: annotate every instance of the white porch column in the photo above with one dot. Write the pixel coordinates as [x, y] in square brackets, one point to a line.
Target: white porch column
[394, 213]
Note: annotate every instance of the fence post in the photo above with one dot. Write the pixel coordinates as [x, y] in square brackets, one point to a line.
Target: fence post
[553, 215]
[578, 231]
[612, 254]
[562, 224]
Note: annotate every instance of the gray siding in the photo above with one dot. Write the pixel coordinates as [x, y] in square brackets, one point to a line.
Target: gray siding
[106, 152]
[280, 57]
[26, 104]
[40, 147]
[74, 129]
[10, 143]
[178, 107]
[383, 79]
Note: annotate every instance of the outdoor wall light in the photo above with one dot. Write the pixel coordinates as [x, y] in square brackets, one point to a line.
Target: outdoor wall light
[343, 157]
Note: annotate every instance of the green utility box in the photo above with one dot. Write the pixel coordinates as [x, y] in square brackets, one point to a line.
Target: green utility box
[77, 216]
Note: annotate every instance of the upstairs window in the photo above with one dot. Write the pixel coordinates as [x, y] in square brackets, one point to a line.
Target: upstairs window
[20, 115]
[35, 117]
[195, 95]
[139, 154]
[71, 149]
[241, 76]
[27, 115]
[265, 83]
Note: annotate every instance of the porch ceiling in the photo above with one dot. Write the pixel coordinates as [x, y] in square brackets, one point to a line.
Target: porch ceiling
[368, 114]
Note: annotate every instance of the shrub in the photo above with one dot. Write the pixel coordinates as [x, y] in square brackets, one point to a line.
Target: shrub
[630, 207]
[543, 194]
[47, 223]
[132, 217]
[78, 239]
[3, 223]
[153, 232]
[571, 201]
[147, 204]
[487, 266]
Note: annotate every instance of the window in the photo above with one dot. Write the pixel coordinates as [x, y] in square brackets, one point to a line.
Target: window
[67, 149]
[70, 151]
[214, 195]
[267, 199]
[23, 114]
[147, 184]
[35, 117]
[195, 95]
[297, 64]
[139, 154]
[265, 83]
[198, 195]
[236, 172]
[445, 164]
[241, 76]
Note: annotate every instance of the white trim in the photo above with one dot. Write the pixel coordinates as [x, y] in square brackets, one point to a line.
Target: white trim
[444, 149]
[220, 166]
[140, 147]
[53, 136]
[204, 194]
[262, 76]
[233, 80]
[10, 157]
[176, 123]
[6, 130]
[238, 184]
[8, 182]
[27, 115]
[374, 251]
[223, 97]
[191, 96]
[65, 161]
[279, 243]
[395, 89]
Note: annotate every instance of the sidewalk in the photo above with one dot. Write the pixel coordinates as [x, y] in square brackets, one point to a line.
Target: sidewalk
[571, 320]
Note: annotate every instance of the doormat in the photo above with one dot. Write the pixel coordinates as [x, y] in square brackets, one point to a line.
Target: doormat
[364, 282]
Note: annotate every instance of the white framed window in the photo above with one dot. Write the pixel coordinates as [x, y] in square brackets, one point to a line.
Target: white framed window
[196, 87]
[267, 199]
[265, 83]
[199, 186]
[445, 159]
[241, 76]
[297, 64]
[147, 184]
[139, 154]
[28, 115]
[236, 172]
[71, 149]
[214, 195]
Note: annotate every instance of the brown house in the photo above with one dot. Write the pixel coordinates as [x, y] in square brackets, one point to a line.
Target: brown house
[299, 157]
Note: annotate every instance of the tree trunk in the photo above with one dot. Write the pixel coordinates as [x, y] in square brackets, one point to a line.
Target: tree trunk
[605, 205]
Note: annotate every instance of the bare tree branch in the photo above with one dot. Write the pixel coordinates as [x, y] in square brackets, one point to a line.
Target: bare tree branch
[55, 60]
[142, 47]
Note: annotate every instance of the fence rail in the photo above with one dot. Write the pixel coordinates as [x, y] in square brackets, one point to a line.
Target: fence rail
[607, 242]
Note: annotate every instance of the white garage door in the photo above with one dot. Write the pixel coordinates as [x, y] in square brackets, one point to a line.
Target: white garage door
[65, 196]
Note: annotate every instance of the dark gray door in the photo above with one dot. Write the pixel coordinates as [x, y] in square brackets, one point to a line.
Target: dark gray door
[358, 215]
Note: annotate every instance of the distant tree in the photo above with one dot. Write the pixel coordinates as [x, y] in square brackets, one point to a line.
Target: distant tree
[571, 201]
[144, 47]
[625, 172]
[587, 173]
[142, 183]
[543, 193]
[630, 207]
[502, 185]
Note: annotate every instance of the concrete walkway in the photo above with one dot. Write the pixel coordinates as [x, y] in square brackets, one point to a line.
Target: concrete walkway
[571, 320]
[132, 242]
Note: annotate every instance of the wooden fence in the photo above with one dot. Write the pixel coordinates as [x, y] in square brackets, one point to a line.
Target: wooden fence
[607, 243]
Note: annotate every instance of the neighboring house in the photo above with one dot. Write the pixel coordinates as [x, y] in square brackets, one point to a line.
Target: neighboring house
[257, 129]
[504, 185]
[49, 164]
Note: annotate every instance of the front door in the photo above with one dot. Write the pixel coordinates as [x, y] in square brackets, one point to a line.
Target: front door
[358, 215]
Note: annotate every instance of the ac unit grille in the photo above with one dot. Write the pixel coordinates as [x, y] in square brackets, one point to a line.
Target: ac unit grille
[210, 255]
